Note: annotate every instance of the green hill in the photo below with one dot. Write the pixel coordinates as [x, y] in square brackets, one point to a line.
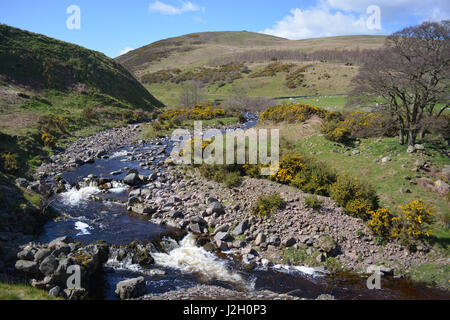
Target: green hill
[45, 63]
[55, 87]
[165, 65]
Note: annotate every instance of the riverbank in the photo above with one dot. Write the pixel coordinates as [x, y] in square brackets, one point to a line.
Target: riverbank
[221, 218]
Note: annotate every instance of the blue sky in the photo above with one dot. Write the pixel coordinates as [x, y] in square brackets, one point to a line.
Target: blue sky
[113, 26]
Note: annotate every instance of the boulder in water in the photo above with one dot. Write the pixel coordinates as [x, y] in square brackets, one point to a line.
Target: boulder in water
[131, 288]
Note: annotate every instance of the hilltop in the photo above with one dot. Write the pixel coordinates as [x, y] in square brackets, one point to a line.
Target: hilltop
[330, 63]
[63, 90]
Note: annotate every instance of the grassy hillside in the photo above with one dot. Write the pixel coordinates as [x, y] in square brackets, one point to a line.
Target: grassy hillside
[202, 55]
[41, 63]
[54, 87]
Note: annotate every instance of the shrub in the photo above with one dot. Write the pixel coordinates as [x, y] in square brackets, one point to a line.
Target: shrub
[88, 113]
[334, 131]
[380, 222]
[199, 112]
[305, 173]
[266, 205]
[313, 202]
[314, 177]
[356, 197]
[289, 165]
[271, 70]
[52, 125]
[9, 162]
[292, 113]
[343, 127]
[410, 223]
[48, 139]
[229, 175]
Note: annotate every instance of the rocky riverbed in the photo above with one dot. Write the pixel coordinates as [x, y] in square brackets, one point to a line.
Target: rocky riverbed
[219, 218]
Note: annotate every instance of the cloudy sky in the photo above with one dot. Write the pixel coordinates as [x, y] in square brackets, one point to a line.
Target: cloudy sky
[116, 26]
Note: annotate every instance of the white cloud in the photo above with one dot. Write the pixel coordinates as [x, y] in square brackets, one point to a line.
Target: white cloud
[125, 50]
[348, 17]
[391, 9]
[318, 22]
[168, 9]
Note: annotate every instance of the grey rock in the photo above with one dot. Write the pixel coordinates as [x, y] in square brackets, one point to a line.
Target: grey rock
[411, 149]
[143, 209]
[199, 220]
[131, 288]
[289, 242]
[240, 228]
[320, 258]
[132, 179]
[27, 253]
[27, 266]
[223, 236]
[21, 182]
[260, 238]
[195, 228]
[274, 240]
[48, 265]
[56, 291]
[41, 254]
[58, 241]
[216, 208]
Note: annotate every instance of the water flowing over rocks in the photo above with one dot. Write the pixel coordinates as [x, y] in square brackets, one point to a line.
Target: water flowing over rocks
[46, 265]
[219, 220]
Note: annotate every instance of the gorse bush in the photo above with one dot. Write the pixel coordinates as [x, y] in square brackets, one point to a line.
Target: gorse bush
[412, 220]
[229, 175]
[409, 225]
[295, 79]
[272, 69]
[334, 131]
[357, 197]
[53, 125]
[135, 116]
[343, 127]
[266, 205]
[199, 112]
[315, 178]
[48, 139]
[305, 173]
[313, 202]
[9, 162]
[292, 113]
[380, 222]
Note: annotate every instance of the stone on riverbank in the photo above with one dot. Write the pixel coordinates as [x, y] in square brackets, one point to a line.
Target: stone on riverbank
[131, 288]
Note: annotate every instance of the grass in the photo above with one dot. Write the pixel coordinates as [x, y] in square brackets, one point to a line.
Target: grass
[388, 178]
[432, 274]
[201, 47]
[10, 291]
[272, 87]
[300, 257]
[149, 131]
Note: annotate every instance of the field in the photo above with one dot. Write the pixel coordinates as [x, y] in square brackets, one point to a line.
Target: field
[394, 181]
[22, 292]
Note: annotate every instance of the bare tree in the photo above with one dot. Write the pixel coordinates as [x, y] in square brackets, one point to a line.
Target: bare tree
[411, 74]
[192, 94]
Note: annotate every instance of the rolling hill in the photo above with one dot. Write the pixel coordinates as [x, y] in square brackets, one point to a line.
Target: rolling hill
[332, 63]
[54, 87]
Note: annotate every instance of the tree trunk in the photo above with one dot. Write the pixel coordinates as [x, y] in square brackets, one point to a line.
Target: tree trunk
[422, 134]
[401, 137]
[412, 135]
